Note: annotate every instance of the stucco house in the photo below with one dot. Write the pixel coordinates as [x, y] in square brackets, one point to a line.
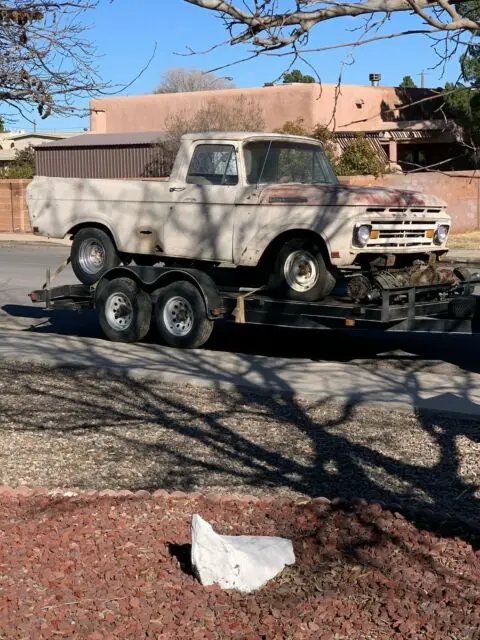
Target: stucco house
[405, 134]
[13, 141]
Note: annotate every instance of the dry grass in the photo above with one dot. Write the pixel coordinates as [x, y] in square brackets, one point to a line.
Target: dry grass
[470, 240]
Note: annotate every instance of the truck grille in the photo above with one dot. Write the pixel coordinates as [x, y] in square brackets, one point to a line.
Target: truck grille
[403, 233]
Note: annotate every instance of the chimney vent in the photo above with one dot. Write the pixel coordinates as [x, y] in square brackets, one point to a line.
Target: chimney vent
[375, 79]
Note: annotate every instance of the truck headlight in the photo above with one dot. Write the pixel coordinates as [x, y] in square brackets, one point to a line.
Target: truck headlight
[441, 234]
[362, 234]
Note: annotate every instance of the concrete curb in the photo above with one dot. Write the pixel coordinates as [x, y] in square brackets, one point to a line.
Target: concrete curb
[463, 260]
[7, 239]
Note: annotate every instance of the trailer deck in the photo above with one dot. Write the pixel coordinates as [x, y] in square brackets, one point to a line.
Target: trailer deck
[432, 308]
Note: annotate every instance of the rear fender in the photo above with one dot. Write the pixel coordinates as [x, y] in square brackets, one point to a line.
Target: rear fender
[151, 279]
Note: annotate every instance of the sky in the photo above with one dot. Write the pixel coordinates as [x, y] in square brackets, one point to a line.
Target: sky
[126, 32]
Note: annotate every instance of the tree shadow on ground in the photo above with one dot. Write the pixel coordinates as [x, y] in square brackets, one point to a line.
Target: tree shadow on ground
[98, 430]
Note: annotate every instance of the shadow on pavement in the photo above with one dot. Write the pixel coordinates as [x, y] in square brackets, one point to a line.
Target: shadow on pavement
[395, 349]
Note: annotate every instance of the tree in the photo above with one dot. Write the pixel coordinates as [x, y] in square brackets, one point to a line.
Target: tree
[360, 159]
[275, 25]
[46, 64]
[319, 132]
[23, 166]
[297, 76]
[407, 83]
[184, 79]
[239, 114]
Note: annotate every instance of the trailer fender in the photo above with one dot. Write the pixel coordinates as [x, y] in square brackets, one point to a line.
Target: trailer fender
[151, 279]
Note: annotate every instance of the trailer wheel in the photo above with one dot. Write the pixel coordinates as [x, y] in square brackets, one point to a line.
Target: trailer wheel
[124, 310]
[300, 272]
[181, 316]
[93, 253]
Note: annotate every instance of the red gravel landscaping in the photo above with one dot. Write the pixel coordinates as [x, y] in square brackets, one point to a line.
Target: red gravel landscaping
[105, 565]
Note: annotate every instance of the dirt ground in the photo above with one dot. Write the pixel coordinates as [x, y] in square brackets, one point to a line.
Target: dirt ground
[87, 430]
[470, 240]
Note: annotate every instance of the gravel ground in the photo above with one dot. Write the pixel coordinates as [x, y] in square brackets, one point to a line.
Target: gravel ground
[84, 430]
[111, 567]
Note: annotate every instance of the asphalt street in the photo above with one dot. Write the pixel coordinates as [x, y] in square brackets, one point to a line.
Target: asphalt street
[22, 268]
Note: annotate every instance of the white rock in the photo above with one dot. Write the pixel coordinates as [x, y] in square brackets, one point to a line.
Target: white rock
[245, 563]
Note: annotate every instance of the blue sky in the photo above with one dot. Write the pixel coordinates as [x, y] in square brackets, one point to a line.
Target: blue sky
[126, 31]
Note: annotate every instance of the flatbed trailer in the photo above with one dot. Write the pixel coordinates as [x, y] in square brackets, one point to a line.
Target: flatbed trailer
[186, 303]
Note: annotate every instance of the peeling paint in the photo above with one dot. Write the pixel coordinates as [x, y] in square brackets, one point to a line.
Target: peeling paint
[341, 195]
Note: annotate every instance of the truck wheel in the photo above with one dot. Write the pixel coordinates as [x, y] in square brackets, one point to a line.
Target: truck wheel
[300, 272]
[124, 310]
[181, 316]
[93, 253]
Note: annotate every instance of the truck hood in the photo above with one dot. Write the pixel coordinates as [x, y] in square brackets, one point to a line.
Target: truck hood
[343, 195]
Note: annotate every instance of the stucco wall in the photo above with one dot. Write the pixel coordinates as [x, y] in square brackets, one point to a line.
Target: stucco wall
[13, 209]
[460, 190]
[312, 102]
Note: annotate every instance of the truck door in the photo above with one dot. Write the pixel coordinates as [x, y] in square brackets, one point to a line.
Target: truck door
[200, 220]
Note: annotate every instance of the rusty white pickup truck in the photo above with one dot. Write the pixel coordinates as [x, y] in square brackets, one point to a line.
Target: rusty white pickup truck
[270, 202]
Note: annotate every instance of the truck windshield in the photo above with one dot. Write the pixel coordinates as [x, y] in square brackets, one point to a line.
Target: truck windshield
[281, 161]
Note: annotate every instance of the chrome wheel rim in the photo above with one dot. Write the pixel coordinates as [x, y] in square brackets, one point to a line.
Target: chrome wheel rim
[178, 316]
[91, 256]
[301, 270]
[119, 311]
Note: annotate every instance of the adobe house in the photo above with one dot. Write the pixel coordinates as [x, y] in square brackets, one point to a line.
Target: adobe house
[409, 136]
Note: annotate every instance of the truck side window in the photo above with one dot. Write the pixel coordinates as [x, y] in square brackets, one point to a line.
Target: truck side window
[214, 164]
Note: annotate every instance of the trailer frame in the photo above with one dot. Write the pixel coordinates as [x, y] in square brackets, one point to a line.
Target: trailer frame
[439, 308]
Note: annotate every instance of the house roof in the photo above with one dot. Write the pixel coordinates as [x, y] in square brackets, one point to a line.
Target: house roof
[35, 134]
[108, 140]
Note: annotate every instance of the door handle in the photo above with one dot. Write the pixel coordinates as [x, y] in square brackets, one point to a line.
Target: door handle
[172, 189]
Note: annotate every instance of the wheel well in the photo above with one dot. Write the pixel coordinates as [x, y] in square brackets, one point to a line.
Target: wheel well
[274, 247]
[91, 225]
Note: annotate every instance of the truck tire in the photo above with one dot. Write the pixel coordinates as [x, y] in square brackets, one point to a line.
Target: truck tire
[124, 310]
[181, 316]
[300, 272]
[93, 253]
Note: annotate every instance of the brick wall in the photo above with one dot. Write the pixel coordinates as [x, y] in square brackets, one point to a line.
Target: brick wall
[461, 191]
[13, 210]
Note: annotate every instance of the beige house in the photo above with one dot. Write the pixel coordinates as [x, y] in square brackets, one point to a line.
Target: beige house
[411, 136]
[12, 142]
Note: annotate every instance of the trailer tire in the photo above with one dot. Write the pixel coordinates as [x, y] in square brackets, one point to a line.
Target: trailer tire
[315, 283]
[124, 310]
[181, 316]
[93, 253]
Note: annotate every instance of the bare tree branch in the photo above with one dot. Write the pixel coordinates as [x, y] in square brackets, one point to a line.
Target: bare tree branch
[47, 63]
[269, 26]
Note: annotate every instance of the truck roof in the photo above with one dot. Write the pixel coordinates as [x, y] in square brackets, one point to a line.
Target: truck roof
[241, 135]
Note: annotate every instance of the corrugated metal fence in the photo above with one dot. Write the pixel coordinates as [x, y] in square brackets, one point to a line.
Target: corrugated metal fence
[139, 155]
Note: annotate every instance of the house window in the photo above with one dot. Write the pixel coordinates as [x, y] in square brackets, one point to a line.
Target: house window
[213, 164]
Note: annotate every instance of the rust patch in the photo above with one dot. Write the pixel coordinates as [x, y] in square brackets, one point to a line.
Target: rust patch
[344, 195]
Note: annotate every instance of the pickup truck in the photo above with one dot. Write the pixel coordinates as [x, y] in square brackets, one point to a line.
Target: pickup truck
[268, 202]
